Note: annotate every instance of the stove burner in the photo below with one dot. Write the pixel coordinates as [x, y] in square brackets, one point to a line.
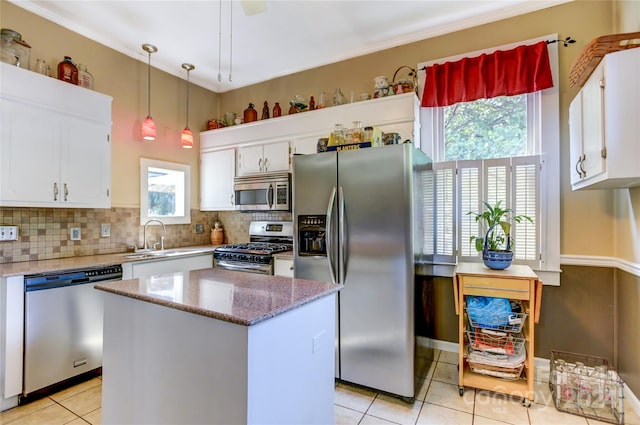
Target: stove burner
[265, 248]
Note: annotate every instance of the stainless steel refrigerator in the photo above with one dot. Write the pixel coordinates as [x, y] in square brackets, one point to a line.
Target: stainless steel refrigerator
[358, 221]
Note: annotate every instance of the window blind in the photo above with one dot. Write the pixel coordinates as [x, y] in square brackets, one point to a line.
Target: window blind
[460, 188]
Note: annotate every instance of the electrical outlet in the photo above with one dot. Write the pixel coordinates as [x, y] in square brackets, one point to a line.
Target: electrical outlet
[199, 228]
[8, 233]
[74, 234]
[105, 230]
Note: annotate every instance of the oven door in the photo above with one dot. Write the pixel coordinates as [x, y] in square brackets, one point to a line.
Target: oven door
[263, 193]
[242, 266]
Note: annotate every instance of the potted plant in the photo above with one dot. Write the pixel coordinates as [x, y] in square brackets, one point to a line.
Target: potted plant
[496, 245]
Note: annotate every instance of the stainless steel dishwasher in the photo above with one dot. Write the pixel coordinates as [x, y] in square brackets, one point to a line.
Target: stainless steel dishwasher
[63, 326]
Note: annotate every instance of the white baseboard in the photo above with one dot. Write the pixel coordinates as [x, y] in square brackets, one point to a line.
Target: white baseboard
[437, 344]
[632, 400]
[542, 367]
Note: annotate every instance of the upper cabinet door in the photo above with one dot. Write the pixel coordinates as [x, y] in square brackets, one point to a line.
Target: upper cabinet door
[593, 141]
[29, 155]
[217, 170]
[276, 157]
[250, 160]
[85, 164]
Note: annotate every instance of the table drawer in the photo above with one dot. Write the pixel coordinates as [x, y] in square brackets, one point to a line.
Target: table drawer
[496, 287]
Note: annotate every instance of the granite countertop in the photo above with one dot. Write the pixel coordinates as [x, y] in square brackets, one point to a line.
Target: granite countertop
[42, 266]
[287, 255]
[236, 297]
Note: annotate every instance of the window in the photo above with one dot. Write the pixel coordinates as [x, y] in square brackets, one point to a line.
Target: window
[503, 148]
[164, 192]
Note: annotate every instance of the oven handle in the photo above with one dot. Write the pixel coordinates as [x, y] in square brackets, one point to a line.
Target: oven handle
[329, 234]
[243, 267]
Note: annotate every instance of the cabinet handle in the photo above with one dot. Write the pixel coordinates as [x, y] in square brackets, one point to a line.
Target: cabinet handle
[497, 289]
[260, 164]
[577, 169]
[66, 192]
[584, 173]
[232, 199]
[55, 191]
[266, 166]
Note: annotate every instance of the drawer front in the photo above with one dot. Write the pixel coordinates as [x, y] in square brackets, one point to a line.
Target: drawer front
[496, 287]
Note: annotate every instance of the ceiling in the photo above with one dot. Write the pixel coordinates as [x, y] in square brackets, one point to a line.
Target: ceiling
[244, 42]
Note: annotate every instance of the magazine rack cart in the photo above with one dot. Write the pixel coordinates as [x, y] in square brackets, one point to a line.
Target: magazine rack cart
[517, 283]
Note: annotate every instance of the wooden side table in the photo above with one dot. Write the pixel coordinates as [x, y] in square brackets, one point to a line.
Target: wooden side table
[515, 283]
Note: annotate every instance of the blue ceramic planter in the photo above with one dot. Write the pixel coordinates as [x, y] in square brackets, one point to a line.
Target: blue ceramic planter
[497, 260]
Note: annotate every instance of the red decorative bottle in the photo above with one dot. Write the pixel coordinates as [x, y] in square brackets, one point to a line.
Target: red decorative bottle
[250, 114]
[67, 71]
[277, 111]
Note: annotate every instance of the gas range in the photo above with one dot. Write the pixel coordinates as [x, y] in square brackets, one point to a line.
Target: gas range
[256, 256]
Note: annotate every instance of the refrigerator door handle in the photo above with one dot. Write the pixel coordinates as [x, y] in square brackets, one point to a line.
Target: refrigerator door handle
[343, 233]
[329, 242]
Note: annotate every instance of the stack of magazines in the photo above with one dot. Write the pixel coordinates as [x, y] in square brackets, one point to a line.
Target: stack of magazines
[495, 344]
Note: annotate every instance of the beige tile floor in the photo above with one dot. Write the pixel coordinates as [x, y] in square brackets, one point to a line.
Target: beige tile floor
[437, 402]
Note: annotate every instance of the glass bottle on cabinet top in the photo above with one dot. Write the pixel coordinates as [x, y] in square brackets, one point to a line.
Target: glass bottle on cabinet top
[67, 71]
[85, 79]
[277, 111]
[250, 114]
[338, 98]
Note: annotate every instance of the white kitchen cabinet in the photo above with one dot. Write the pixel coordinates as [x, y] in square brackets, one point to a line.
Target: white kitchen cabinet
[267, 158]
[604, 125]
[306, 145]
[217, 171]
[283, 266]
[56, 149]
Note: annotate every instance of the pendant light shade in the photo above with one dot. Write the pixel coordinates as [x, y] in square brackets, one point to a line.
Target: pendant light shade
[186, 139]
[149, 126]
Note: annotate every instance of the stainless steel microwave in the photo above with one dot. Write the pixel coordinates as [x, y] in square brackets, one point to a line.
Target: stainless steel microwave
[270, 192]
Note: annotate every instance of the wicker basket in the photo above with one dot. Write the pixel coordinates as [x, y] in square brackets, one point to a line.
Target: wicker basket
[593, 53]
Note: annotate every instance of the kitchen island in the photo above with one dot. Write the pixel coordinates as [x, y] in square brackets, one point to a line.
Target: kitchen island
[218, 347]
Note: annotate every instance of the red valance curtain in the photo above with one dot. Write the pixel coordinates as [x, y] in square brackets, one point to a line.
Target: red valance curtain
[524, 69]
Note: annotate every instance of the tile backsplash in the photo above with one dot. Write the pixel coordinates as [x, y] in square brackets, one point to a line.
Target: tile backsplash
[44, 232]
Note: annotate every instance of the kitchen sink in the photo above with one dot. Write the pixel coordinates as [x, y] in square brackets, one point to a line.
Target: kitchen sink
[145, 254]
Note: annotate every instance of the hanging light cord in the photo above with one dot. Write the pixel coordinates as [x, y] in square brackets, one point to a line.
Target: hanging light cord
[230, 39]
[149, 86]
[219, 41]
[187, 125]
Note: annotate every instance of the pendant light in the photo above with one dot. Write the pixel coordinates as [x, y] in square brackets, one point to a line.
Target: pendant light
[148, 125]
[186, 139]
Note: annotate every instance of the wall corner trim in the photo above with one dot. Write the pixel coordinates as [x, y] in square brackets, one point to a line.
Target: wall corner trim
[598, 261]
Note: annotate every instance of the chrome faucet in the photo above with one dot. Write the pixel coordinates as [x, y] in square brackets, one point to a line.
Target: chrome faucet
[164, 230]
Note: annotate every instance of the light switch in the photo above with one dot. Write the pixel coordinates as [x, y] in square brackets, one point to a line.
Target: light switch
[105, 230]
[8, 233]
